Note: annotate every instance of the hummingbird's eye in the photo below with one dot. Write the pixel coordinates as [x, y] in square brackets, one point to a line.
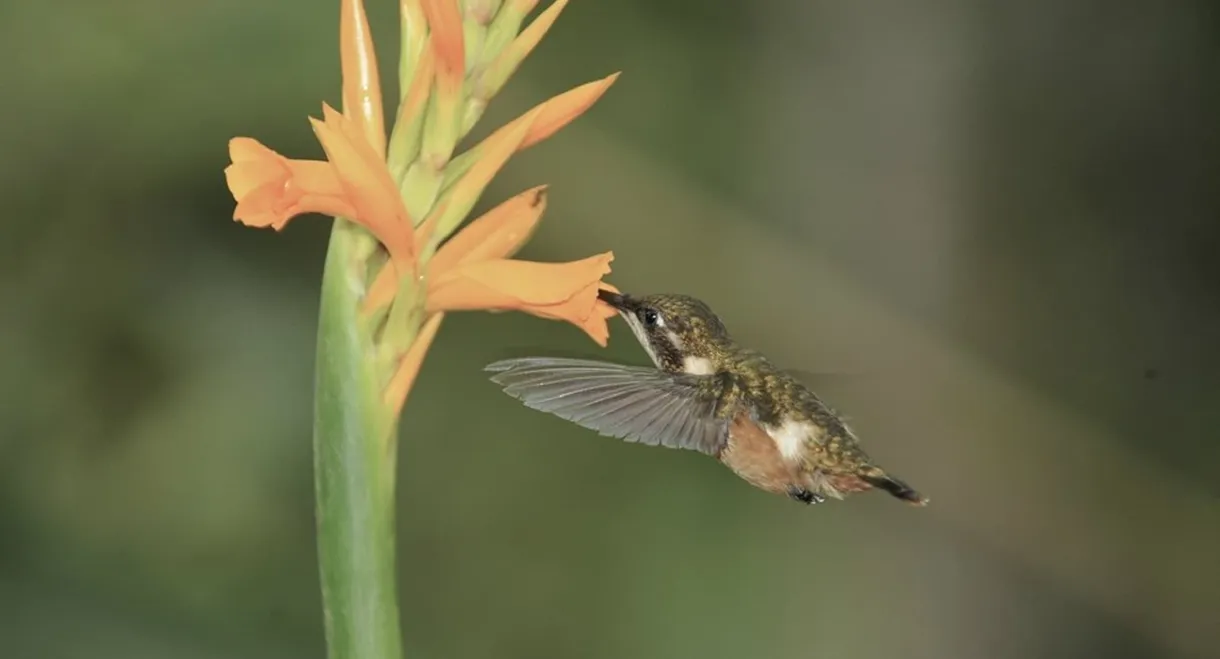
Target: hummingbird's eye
[651, 317]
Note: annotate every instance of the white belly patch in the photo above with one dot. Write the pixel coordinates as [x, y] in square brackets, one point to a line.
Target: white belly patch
[790, 437]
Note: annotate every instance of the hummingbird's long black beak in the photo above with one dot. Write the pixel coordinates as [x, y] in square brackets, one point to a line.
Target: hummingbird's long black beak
[621, 302]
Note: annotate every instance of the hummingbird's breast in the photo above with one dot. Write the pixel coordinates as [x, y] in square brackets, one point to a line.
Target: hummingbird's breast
[778, 459]
[755, 455]
[783, 436]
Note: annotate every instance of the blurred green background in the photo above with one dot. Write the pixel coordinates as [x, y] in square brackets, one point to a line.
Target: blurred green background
[999, 220]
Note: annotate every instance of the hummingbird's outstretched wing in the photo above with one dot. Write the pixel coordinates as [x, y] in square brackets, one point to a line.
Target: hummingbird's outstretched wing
[632, 403]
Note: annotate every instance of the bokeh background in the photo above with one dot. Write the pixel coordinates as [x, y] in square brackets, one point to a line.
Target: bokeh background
[993, 225]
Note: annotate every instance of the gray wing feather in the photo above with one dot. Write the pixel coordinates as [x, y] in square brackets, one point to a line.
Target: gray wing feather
[632, 403]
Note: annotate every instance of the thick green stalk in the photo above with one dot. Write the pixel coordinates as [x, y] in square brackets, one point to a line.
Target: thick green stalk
[354, 467]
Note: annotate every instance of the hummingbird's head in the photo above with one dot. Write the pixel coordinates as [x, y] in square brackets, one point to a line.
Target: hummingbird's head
[679, 332]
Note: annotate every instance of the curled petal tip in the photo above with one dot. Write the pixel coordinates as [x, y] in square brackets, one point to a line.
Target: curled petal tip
[497, 234]
[539, 197]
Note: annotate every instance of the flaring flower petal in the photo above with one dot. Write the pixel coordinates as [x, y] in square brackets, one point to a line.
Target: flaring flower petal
[558, 291]
[561, 110]
[270, 189]
[497, 234]
[361, 83]
[367, 182]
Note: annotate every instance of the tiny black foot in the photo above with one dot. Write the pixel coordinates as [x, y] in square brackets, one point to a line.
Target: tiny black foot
[805, 496]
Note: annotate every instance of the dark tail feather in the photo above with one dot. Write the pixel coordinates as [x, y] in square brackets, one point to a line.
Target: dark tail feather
[883, 481]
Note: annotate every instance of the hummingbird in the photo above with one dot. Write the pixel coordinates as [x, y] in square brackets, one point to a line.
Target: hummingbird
[705, 393]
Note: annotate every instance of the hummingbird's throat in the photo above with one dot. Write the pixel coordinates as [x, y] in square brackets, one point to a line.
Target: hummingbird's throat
[674, 351]
[641, 335]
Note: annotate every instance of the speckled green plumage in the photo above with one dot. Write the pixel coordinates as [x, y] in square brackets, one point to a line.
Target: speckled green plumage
[747, 379]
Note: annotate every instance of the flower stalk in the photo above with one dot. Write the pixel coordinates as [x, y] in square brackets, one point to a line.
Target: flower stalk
[397, 262]
[354, 463]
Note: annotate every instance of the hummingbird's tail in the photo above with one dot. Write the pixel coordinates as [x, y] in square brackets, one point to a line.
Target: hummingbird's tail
[877, 477]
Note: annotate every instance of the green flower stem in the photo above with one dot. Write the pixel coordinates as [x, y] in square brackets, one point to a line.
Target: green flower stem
[354, 466]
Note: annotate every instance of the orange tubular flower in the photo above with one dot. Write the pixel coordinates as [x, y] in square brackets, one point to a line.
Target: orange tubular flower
[471, 270]
[270, 189]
